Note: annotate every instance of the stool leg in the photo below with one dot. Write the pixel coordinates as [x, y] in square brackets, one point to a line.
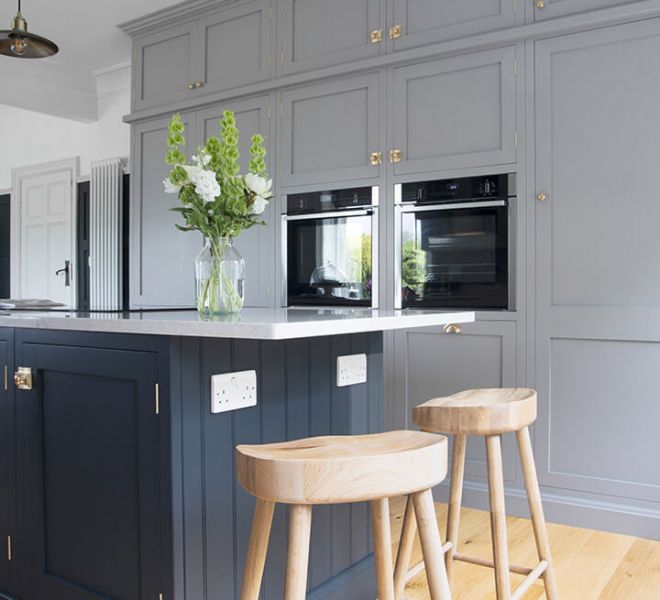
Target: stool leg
[536, 510]
[498, 517]
[380, 519]
[429, 535]
[300, 525]
[455, 499]
[405, 549]
[256, 558]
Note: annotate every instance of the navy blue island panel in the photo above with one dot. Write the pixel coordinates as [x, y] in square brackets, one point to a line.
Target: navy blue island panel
[119, 482]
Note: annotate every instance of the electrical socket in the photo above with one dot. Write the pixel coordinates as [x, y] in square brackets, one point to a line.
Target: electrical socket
[232, 391]
[351, 369]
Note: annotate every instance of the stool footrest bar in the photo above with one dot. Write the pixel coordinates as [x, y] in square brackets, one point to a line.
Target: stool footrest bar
[419, 567]
[485, 562]
[529, 581]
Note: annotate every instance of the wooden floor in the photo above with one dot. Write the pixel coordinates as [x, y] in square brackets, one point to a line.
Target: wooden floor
[590, 564]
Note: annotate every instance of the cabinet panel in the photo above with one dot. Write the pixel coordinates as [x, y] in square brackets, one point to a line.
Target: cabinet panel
[164, 66]
[318, 33]
[89, 477]
[428, 21]
[429, 363]
[456, 112]
[162, 258]
[237, 46]
[7, 461]
[256, 245]
[558, 8]
[329, 131]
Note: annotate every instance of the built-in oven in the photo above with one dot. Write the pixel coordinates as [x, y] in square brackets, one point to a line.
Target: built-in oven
[453, 243]
[330, 248]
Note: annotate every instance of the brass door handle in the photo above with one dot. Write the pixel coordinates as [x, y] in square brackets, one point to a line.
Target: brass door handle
[395, 156]
[23, 378]
[452, 329]
[376, 36]
[376, 158]
[395, 32]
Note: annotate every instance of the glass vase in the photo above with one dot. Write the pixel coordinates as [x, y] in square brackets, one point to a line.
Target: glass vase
[219, 278]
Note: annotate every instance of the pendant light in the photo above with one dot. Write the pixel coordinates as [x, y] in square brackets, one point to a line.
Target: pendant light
[18, 42]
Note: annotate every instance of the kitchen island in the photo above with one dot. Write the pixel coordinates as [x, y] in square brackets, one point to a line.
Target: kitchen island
[118, 480]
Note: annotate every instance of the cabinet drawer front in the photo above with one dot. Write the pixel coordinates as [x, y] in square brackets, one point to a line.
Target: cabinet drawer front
[329, 130]
[429, 21]
[456, 112]
[559, 8]
[318, 33]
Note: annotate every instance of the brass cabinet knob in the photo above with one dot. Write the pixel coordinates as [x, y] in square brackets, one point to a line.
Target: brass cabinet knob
[376, 36]
[199, 84]
[23, 378]
[192, 86]
[395, 32]
[452, 329]
[395, 156]
[376, 158]
[540, 4]
[541, 197]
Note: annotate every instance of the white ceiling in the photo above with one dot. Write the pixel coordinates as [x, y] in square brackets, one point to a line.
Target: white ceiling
[85, 30]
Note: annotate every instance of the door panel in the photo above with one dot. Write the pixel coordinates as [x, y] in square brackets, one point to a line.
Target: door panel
[318, 33]
[428, 21]
[329, 131]
[162, 258]
[597, 298]
[558, 8]
[7, 462]
[429, 364]
[256, 245]
[456, 112]
[89, 450]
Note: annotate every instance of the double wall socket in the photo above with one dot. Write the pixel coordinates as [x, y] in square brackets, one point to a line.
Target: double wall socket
[351, 369]
[231, 391]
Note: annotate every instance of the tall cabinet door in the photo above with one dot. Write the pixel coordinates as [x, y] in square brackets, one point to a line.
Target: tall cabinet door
[456, 112]
[427, 21]
[329, 131]
[7, 462]
[549, 9]
[89, 456]
[256, 245]
[598, 262]
[162, 258]
[318, 33]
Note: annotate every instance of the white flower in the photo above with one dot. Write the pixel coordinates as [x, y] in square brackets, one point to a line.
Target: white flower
[259, 205]
[202, 160]
[192, 172]
[206, 185]
[259, 185]
[171, 188]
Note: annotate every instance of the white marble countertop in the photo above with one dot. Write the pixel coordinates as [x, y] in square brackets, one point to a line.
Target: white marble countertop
[251, 323]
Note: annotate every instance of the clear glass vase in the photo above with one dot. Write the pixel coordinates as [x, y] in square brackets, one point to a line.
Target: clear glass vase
[219, 278]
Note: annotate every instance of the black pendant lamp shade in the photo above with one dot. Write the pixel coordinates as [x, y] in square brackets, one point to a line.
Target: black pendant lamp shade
[18, 42]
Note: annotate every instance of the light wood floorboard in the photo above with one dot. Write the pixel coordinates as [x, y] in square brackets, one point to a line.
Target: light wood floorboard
[590, 565]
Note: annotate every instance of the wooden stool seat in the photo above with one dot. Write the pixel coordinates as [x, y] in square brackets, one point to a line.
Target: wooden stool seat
[478, 412]
[340, 469]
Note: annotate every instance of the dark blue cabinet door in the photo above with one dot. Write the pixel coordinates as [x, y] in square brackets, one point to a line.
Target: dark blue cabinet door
[89, 464]
[7, 473]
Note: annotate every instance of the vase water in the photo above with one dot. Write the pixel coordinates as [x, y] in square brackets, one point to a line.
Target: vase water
[219, 278]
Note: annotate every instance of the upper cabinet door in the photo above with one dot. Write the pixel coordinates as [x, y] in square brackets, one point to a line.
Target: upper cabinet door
[329, 131]
[455, 112]
[236, 46]
[419, 22]
[256, 245]
[319, 33]
[164, 66]
[547, 9]
[162, 258]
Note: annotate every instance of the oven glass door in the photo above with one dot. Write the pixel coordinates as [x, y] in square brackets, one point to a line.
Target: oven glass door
[329, 261]
[456, 258]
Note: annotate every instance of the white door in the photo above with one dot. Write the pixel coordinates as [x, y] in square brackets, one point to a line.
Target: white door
[44, 235]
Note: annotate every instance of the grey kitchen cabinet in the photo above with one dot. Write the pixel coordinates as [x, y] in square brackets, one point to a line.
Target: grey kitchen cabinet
[330, 130]
[419, 22]
[428, 363]
[455, 112]
[318, 33]
[162, 258]
[548, 9]
[598, 263]
[256, 245]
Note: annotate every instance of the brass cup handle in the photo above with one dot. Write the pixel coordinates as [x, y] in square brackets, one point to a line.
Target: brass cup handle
[23, 378]
[452, 329]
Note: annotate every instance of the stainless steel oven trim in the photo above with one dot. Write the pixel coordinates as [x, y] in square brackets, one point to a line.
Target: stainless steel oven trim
[284, 248]
[329, 215]
[398, 301]
[375, 263]
[455, 206]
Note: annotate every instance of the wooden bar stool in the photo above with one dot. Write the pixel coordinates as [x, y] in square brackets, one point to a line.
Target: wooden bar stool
[341, 469]
[489, 413]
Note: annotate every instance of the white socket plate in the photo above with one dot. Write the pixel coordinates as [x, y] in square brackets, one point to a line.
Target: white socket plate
[233, 391]
[351, 369]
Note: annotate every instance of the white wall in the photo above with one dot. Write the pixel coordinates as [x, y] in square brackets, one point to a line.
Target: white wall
[28, 138]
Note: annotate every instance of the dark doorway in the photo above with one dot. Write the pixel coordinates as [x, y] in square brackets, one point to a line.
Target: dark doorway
[5, 233]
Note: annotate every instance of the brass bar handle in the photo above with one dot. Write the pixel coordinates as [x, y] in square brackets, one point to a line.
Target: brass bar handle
[23, 378]
[395, 32]
[395, 156]
[376, 36]
[452, 329]
[376, 158]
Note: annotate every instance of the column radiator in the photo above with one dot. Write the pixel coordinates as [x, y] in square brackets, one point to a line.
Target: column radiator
[105, 235]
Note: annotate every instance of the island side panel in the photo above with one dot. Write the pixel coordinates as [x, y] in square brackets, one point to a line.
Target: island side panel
[297, 397]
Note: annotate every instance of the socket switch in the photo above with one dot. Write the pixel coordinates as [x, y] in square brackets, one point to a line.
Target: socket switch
[232, 391]
[351, 369]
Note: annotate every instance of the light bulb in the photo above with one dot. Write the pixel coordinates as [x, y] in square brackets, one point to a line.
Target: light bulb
[19, 45]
